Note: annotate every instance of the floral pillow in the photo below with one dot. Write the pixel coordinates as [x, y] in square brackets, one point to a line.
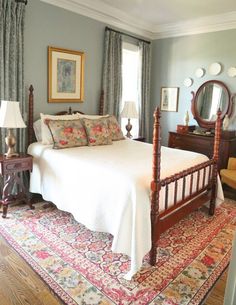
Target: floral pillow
[45, 133]
[114, 128]
[97, 131]
[67, 133]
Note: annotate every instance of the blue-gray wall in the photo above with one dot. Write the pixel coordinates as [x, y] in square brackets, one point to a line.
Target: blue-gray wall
[175, 59]
[48, 25]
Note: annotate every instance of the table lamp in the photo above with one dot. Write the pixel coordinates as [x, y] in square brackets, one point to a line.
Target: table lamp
[10, 117]
[129, 111]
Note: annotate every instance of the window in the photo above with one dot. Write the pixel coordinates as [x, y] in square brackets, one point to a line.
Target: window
[130, 83]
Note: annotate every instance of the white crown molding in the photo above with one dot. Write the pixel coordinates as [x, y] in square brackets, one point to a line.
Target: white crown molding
[202, 25]
[109, 15]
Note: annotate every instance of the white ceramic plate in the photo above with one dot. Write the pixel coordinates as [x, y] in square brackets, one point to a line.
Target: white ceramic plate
[199, 72]
[215, 68]
[188, 82]
[232, 72]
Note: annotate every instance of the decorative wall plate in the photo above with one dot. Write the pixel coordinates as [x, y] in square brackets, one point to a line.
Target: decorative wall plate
[199, 72]
[188, 82]
[215, 68]
[232, 72]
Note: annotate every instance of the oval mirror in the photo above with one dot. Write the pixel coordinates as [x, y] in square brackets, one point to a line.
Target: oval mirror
[210, 96]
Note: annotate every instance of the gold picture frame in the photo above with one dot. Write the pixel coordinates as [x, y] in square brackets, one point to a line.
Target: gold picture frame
[169, 98]
[65, 76]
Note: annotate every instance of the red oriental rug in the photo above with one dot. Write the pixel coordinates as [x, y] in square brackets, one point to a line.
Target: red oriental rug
[80, 268]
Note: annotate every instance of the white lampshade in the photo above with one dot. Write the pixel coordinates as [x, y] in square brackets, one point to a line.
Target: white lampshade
[10, 116]
[129, 110]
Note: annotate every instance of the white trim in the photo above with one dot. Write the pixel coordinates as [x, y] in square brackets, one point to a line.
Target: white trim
[112, 16]
[208, 24]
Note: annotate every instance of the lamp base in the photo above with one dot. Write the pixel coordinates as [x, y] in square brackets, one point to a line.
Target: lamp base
[11, 155]
[11, 142]
[128, 128]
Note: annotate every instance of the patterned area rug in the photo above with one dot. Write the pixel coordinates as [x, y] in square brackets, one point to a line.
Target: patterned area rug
[80, 268]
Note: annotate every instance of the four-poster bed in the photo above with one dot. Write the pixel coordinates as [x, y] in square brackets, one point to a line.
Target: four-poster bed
[170, 196]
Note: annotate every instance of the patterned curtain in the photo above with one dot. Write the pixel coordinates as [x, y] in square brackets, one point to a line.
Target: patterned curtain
[12, 19]
[144, 102]
[112, 73]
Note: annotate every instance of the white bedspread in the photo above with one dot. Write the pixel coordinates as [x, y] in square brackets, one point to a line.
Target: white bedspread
[107, 188]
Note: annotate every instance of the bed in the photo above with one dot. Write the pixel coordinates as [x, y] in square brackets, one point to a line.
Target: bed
[124, 179]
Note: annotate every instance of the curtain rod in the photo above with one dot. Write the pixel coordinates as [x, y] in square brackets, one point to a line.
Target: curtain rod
[107, 28]
[21, 1]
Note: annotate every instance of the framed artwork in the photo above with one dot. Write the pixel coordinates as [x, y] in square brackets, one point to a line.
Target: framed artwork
[169, 98]
[65, 76]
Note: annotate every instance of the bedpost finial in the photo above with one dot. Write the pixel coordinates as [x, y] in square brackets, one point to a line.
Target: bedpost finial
[218, 119]
[31, 88]
[157, 113]
[219, 112]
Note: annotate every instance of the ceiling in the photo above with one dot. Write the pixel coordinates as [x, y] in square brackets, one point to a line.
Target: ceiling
[156, 19]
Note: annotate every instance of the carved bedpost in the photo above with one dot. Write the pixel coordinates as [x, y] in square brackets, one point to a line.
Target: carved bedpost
[217, 136]
[216, 159]
[155, 185]
[101, 104]
[31, 114]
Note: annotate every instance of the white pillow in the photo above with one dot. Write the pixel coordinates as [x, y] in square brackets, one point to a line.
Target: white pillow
[46, 135]
[93, 116]
[37, 130]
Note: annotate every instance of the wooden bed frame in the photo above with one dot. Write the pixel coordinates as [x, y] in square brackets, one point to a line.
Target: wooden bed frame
[206, 192]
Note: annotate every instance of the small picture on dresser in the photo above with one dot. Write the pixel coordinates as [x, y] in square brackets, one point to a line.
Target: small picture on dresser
[169, 98]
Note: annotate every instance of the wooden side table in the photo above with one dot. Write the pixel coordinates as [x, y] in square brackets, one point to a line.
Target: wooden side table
[10, 170]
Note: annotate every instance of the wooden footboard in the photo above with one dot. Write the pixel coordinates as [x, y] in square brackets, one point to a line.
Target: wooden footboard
[193, 195]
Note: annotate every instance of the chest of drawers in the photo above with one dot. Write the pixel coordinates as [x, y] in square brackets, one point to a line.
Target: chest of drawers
[205, 144]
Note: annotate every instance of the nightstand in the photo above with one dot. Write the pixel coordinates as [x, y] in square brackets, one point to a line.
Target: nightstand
[140, 139]
[10, 170]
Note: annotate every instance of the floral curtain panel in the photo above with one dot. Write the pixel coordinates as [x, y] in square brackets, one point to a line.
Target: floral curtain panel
[12, 20]
[112, 72]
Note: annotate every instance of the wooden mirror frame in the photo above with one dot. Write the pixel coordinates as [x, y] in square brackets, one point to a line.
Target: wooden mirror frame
[228, 109]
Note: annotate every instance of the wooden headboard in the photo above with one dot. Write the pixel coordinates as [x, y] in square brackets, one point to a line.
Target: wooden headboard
[69, 111]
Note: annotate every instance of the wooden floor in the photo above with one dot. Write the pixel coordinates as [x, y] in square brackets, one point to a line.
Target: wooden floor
[216, 296]
[20, 285]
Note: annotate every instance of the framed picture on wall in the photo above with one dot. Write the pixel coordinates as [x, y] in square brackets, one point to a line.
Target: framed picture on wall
[169, 98]
[65, 76]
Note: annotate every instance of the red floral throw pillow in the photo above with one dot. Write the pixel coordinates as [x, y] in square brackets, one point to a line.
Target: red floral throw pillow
[114, 128]
[97, 132]
[67, 134]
